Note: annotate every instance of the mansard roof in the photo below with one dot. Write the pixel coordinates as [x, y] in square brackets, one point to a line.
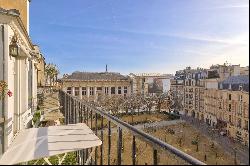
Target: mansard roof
[95, 76]
[234, 83]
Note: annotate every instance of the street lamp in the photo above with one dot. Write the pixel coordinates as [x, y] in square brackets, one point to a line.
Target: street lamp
[13, 47]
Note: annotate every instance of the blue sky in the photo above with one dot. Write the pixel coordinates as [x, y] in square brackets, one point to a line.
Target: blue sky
[140, 35]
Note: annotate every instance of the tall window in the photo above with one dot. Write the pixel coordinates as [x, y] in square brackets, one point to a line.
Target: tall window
[239, 123]
[240, 97]
[69, 90]
[119, 90]
[229, 97]
[112, 90]
[229, 107]
[240, 109]
[30, 85]
[125, 90]
[246, 125]
[106, 90]
[230, 119]
[84, 91]
[77, 91]
[91, 91]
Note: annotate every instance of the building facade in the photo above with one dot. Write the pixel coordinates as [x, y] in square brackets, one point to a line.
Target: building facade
[23, 9]
[177, 89]
[150, 83]
[19, 70]
[41, 79]
[92, 86]
[219, 97]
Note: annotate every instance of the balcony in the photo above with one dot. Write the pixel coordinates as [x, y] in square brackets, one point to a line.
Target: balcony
[79, 111]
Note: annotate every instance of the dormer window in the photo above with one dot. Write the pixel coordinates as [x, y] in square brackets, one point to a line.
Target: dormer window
[240, 88]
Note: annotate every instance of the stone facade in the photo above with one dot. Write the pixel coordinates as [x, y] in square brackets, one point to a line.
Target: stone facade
[22, 6]
[40, 68]
[92, 86]
[220, 99]
[20, 74]
[141, 82]
[228, 110]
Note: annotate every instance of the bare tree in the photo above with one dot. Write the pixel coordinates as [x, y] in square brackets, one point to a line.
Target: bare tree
[160, 99]
[148, 101]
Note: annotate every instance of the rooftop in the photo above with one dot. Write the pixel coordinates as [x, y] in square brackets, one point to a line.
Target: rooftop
[92, 76]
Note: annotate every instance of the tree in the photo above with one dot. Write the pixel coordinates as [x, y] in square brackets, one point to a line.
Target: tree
[51, 72]
[160, 99]
[148, 101]
[196, 142]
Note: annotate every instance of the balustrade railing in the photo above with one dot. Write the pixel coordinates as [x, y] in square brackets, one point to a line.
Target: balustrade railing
[113, 133]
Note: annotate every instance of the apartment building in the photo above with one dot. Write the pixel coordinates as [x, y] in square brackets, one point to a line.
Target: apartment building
[216, 95]
[177, 89]
[91, 86]
[150, 83]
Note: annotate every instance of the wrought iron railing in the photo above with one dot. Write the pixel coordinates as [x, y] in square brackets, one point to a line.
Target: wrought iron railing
[79, 111]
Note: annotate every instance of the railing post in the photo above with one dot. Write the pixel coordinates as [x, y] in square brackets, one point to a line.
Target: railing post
[96, 128]
[65, 108]
[133, 151]
[101, 159]
[91, 118]
[155, 157]
[109, 141]
[87, 116]
[119, 147]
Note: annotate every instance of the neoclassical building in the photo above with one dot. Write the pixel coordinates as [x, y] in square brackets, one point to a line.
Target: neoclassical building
[18, 59]
[91, 85]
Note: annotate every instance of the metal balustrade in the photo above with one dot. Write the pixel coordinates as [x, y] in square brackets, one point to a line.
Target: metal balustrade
[79, 111]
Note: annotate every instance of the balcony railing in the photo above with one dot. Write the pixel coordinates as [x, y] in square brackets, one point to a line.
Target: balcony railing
[79, 111]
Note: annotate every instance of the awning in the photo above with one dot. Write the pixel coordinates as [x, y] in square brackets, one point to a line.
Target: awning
[35, 143]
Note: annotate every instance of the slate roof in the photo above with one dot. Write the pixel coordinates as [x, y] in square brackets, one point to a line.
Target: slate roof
[235, 82]
[91, 76]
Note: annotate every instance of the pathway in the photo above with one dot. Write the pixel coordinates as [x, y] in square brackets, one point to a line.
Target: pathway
[242, 151]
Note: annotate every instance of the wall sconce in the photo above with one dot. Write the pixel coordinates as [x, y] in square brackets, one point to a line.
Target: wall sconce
[13, 47]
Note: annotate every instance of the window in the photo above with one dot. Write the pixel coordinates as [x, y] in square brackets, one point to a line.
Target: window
[239, 123]
[106, 90]
[240, 88]
[246, 125]
[69, 90]
[240, 109]
[112, 90]
[119, 90]
[99, 88]
[77, 91]
[91, 91]
[230, 119]
[125, 90]
[229, 107]
[84, 91]
[240, 97]
[229, 97]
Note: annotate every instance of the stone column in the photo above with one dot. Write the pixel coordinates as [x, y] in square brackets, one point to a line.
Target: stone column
[95, 93]
[122, 90]
[103, 90]
[116, 90]
[87, 92]
[109, 90]
[73, 91]
[80, 92]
